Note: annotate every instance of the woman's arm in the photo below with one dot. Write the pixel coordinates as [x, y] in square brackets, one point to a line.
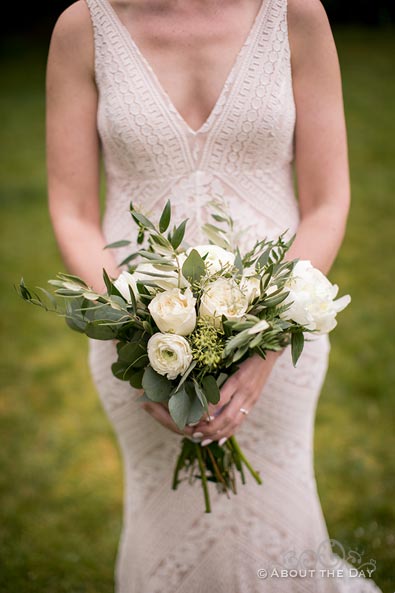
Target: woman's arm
[73, 158]
[73, 148]
[321, 158]
[322, 178]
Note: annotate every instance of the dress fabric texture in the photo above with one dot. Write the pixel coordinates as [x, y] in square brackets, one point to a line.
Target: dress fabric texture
[243, 153]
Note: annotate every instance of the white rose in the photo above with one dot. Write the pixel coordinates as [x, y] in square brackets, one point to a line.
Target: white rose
[123, 283]
[311, 298]
[169, 354]
[217, 258]
[174, 311]
[223, 297]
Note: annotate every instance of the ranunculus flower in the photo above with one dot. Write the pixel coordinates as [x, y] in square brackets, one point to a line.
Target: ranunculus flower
[169, 354]
[311, 298]
[174, 311]
[223, 297]
[216, 259]
[123, 282]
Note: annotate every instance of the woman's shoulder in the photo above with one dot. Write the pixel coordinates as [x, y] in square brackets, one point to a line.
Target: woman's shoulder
[73, 35]
[309, 27]
[306, 13]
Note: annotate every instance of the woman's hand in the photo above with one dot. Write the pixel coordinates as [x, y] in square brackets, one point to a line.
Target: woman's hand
[160, 413]
[239, 395]
[240, 392]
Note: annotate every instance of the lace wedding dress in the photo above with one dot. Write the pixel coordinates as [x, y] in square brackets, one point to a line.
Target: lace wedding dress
[242, 153]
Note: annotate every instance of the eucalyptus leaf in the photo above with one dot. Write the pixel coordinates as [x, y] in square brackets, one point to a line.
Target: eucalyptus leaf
[211, 389]
[98, 331]
[180, 405]
[196, 411]
[156, 386]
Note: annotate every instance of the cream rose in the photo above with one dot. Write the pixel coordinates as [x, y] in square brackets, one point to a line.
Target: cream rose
[223, 297]
[217, 258]
[169, 354]
[174, 311]
[311, 299]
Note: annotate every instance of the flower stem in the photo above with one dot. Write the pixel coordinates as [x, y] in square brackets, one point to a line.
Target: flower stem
[245, 460]
[204, 478]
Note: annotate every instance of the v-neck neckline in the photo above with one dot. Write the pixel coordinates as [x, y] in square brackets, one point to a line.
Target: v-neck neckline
[159, 87]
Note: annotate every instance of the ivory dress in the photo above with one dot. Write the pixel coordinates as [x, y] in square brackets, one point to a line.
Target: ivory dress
[243, 153]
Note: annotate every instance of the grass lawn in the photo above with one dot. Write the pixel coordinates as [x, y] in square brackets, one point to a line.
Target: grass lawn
[60, 473]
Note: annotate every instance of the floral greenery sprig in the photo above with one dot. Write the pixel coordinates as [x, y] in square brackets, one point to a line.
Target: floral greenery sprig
[185, 319]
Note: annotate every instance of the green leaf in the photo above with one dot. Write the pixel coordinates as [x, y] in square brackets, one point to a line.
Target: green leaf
[180, 405]
[178, 234]
[297, 344]
[136, 379]
[211, 389]
[156, 386]
[143, 220]
[116, 244]
[196, 411]
[165, 217]
[98, 331]
[128, 259]
[186, 374]
[201, 395]
[76, 279]
[221, 379]
[134, 353]
[107, 281]
[220, 218]
[238, 262]
[193, 268]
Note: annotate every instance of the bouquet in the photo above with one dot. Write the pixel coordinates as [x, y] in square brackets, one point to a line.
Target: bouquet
[185, 318]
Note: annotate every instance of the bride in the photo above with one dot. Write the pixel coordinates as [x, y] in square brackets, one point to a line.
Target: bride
[190, 100]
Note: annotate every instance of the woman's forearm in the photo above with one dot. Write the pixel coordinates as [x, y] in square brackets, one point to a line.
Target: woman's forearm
[320, 235]
[81, 244]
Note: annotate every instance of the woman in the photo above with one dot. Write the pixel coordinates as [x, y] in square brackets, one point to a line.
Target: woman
[188, 100]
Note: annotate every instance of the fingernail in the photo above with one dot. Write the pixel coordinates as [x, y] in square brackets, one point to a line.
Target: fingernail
[197, 435]
[222, 441]
[194, 423]
[210, 418]
[206, 442]
[195, 440]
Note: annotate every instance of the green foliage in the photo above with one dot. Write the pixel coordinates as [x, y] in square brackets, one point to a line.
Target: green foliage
[194, 267]
[156, 387]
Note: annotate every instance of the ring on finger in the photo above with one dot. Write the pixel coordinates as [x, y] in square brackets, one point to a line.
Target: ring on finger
[244, 411]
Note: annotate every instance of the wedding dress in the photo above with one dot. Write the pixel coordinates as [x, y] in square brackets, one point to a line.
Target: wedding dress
[243, 154]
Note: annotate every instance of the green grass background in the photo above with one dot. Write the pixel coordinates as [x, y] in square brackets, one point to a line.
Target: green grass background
[60, 472]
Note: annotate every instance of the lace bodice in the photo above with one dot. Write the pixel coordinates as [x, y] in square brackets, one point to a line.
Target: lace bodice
[243, 152]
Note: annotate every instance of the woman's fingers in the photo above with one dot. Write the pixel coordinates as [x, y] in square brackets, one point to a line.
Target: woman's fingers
[224, 424]
[160, 413]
